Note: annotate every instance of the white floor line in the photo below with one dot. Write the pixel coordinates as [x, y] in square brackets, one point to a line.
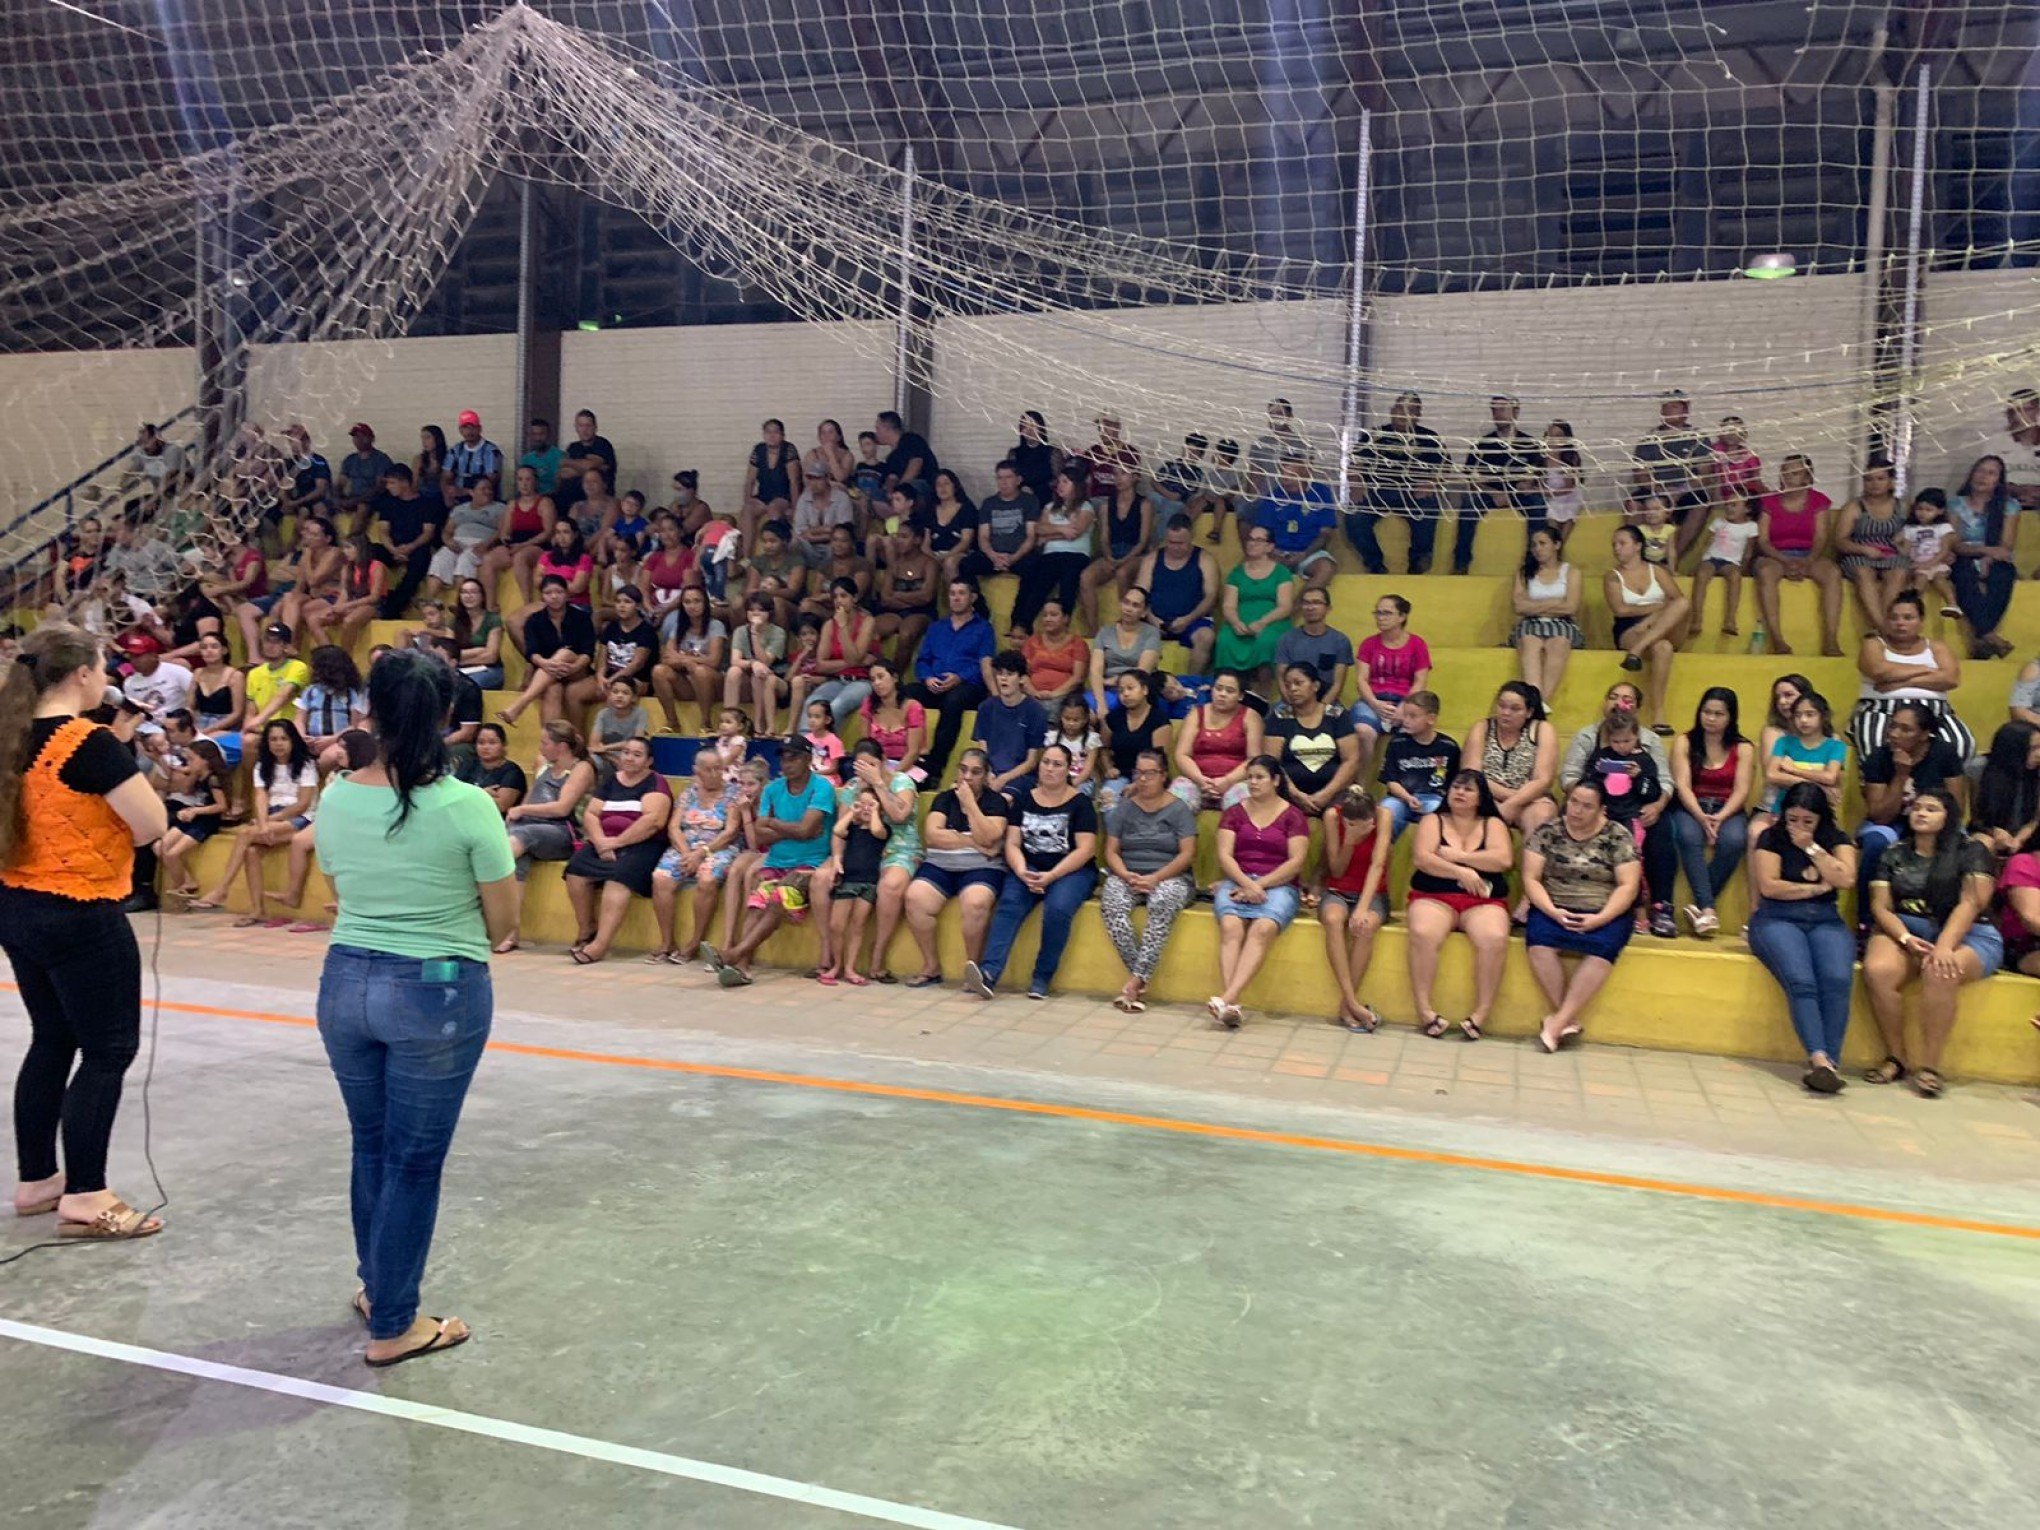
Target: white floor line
[878, 1509]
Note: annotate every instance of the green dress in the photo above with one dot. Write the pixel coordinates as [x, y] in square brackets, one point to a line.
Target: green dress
[1257, 599]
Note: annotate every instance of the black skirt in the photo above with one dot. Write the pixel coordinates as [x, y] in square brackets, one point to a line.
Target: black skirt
[633, 865]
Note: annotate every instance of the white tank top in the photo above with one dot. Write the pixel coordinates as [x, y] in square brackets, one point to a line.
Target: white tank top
[1562, 503]
[1540, 588]
[1654, 595]
[1924, 659]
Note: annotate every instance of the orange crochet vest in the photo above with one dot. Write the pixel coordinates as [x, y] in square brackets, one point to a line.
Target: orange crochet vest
[71, 843]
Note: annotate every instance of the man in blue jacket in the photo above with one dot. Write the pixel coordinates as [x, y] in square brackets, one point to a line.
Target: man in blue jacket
[953, 672]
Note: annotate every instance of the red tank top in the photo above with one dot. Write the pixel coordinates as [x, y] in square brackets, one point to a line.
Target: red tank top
[832, 648]
[1378, 848]
[1220, 751]
[1713, 783]
[525, 523]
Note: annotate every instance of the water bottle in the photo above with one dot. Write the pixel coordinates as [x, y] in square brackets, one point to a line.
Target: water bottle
[1757, 638]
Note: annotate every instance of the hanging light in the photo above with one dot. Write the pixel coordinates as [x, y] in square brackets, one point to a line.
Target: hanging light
[1767, 268]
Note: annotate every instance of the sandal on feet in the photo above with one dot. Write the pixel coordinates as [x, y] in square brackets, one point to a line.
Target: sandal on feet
[582, 958]
[1366, 1026]
[1470, 1028]
[248, 922]
[1434, 1026]
[118, 1222]
[37, 1208]
[657, 958]
[924, 980]
[444, 1337]
[505, 946]
[826, 977]
[1822, 1078]
[1927, 1083]
[858, 979]
[1890, 1071]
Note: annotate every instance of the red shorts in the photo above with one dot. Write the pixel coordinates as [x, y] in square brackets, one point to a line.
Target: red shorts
[1459, 902]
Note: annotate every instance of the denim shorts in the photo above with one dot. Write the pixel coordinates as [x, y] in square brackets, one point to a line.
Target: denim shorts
[1985, 939]
[1280, 907]
[950, 883]
[1350, 902]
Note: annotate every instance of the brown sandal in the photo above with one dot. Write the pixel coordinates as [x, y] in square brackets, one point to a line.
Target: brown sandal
[440, 1340]
[119, 1222]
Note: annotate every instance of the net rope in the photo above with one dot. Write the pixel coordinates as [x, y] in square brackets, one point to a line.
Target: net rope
[1073, 249]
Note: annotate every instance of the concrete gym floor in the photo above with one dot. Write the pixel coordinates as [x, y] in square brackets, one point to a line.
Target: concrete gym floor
[1084, 1317]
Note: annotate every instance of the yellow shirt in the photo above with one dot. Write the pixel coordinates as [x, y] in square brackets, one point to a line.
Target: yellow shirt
[1657, 543]
[264, 682]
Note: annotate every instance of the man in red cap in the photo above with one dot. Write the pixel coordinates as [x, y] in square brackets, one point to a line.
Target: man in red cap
[151, 684]
[472, 458]
[361, 474]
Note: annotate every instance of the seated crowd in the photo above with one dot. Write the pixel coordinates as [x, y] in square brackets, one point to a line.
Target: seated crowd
[849, 584]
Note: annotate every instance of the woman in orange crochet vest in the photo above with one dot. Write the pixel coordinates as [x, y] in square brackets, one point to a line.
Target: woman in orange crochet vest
[73, 806]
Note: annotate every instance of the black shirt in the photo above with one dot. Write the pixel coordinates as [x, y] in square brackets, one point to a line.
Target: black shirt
[574, 631]
[1794, 864]
[96, 767]
[408, 518]
[862, 851]
[1310, 755]
[1422, 769]
[1401, 459]
[943, 537]
[1124, 744]
[1630, 780]
[621, 645]
[569, 491]
[1880, 766]
[1048, 834]
[490, 777]
[910, 447]
[467, 702]
[1500, 461]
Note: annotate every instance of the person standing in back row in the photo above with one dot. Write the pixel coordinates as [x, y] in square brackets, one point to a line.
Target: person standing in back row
[73, 807]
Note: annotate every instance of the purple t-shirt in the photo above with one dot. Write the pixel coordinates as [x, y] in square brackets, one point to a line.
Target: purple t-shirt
[1258, 851]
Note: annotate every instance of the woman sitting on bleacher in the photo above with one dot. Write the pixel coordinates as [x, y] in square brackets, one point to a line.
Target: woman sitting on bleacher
[623, 834]
[1263, 845]
[542, 825]
[1316, 744]
[1583, 876]
[693, 663]
[1216, 741]
[286, 783]
[521, 534]
[1459, 880]
[1135, 725]
[1051, 842]
[491, 768]
[1901, 664]
[559, 645]
[1150, 845]
[629, 643]
[1714, 778]
[1649, 612]
[219, 698]
[1930, 916]
[1547, 602]
[479, 631]
[701, 842]
[898, 725]
[1798, 869]
[1516, 749]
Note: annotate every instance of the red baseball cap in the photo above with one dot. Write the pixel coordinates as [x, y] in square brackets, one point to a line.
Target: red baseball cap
[363, 430]
[140, 643]
[468, 417]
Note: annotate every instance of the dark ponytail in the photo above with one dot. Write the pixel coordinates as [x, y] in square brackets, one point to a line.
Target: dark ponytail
[409, 695]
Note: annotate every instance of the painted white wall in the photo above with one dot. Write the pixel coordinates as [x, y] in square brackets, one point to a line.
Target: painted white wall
[393, 386]
[694, 397]
[69, 410]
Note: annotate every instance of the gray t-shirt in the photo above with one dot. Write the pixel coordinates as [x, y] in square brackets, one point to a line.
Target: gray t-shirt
[1324, 653]
[471, 524]
[1003, 523]
[1149, 841]
[1147, 638]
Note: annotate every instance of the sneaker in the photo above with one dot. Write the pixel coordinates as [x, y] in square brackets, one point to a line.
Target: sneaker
[1662, 924]
[974, 984]
[1631, 662]
[1037, 994]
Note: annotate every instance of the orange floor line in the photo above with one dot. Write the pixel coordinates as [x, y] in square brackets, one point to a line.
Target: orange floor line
[1380, 1150]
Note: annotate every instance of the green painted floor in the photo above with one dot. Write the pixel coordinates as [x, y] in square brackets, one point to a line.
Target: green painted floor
[1032, 1322]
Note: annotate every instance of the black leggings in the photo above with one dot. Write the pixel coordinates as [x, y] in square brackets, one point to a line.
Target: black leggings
[80, 973]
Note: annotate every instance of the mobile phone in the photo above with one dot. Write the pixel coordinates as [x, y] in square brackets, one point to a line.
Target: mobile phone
[443, 969]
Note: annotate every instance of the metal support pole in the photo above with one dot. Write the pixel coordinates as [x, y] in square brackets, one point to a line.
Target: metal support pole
[1870, 430]
[1353, 405]
[1909, 323]
[901, 357]
[527, 302]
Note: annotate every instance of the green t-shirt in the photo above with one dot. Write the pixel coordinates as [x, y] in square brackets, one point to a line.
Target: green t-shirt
[412, 893]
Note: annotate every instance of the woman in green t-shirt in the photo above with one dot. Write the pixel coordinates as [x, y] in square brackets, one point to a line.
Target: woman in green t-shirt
[422, 870]
[1254, 610]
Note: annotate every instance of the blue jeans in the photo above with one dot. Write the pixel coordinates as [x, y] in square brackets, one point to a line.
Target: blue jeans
[1708, 878]
[403, 1050]
[841, 697]
[1872, 840]
[1812, 954]
[1060, 903]
[1402, 815]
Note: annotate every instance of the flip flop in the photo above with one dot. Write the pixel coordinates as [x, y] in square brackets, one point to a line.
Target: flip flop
[858, 980]
[926, 980]
[120, 1222]
[249, 922]
[201, 906]
[732, 977]
[829, 979]
[582, 958]
[506, 947]
[656, 958]
[438, 1342]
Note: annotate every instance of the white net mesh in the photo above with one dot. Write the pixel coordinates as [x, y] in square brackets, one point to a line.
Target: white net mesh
[1154, 211]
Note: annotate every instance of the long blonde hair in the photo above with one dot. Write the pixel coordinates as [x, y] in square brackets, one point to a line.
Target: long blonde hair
[49, 655]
